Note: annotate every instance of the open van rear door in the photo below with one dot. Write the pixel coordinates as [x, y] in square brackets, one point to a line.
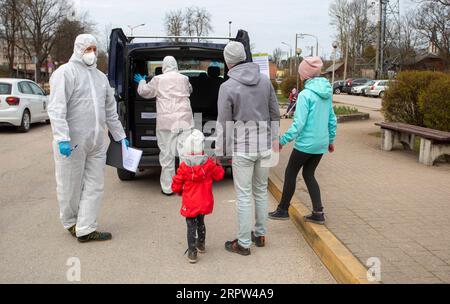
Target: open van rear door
[117, 62]
[243, 37]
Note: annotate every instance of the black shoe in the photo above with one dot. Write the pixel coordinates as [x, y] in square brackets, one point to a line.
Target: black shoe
[95, 236]
[73, 231]
[233, 246]
[167, 194]
[192, 256]
[279, 214]
[260, 241]
[316, 217]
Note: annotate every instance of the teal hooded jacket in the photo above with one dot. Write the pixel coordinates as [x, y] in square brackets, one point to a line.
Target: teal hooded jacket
[314, 126]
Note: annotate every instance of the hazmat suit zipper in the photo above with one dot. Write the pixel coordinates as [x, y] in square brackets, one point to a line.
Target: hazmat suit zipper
[95, 104]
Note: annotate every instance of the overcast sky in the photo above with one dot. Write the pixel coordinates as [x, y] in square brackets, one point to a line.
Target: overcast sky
[268, 22]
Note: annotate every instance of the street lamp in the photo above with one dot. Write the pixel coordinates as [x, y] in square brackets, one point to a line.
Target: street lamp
[334, 45]
[347, 30]
[229, 28]
[302, 35]
[133, 27]
[298, 51]
[290, 57]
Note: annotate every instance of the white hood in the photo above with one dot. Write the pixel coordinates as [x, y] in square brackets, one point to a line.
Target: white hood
[82, 42]
[169, 65]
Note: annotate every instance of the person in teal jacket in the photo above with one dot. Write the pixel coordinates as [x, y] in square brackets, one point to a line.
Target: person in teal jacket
[313, 132]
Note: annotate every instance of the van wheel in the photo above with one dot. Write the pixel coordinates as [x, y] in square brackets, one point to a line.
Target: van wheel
[125, 175]
[337, 91]
[381, 95]
[26, 122]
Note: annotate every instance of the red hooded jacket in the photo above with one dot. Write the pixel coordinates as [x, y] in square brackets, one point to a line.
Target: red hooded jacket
[195, 184]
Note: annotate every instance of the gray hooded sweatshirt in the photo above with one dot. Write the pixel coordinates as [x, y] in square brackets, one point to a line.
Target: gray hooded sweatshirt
[249, 115]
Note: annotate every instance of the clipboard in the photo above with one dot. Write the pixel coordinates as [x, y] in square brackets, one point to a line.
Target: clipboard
[114, 154]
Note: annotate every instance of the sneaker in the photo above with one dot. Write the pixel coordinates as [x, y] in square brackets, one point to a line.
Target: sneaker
[192, 256]
[167, 194]
[260, 241]
[316, 217]
[200, 246]
[233, 246]
[279, 214]
[95, 236]
[72, 230]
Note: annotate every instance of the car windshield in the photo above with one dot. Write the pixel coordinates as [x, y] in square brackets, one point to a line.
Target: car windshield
[5, 88]
[369, 83]
[190, 68]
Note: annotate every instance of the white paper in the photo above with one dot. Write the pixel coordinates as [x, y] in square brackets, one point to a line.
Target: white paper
[130, 158]
[262, 60]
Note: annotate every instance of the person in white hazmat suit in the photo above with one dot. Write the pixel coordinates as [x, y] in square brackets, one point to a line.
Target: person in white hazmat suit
[81, 106]
[174, 119]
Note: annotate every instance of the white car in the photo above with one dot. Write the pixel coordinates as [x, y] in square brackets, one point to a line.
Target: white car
[362, 89]
[378, 89]
[22, 102]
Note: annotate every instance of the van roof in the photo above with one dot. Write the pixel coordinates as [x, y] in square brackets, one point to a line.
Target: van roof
[164, 44]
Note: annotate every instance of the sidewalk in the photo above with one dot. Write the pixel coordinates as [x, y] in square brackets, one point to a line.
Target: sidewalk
[384, 204]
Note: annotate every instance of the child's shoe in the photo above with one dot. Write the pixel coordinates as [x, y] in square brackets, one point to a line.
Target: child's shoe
[192, 256]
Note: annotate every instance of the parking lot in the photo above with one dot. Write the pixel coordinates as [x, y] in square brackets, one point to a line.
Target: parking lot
[148, 231]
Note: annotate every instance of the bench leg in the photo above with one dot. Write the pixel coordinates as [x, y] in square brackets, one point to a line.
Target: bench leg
[387, 139]
[429, 151]
[407, 140]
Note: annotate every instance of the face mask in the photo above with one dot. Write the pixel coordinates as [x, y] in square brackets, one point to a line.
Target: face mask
[89, 58]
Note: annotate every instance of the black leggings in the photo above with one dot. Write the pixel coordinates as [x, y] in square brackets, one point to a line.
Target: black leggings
[309, 162]
[196, 231]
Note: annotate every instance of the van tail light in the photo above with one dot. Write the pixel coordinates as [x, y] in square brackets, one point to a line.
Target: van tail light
[12, 101]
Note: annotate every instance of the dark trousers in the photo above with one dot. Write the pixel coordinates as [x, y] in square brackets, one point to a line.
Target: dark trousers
[309, 162]
[196, 231]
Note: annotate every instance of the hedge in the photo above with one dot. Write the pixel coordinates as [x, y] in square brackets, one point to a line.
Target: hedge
[434, 103]
[416, 95]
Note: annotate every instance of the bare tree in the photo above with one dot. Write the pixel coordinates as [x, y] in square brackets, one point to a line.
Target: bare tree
[433, 26]
[277, 56]
[189, 21]
[40, 21]
[9, 26]
[202, 22]
[174, 21]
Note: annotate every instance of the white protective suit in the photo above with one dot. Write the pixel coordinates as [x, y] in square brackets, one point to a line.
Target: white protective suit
[174, 118]
[81, 106]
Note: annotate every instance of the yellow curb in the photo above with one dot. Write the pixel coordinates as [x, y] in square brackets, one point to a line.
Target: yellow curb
[341, 263]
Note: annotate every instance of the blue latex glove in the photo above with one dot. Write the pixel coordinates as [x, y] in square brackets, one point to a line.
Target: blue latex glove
[126, 142]
[64, 148]
[138, 78]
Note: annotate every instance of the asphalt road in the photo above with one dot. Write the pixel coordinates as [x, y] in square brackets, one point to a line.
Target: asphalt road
[148, 232]
[360, 101]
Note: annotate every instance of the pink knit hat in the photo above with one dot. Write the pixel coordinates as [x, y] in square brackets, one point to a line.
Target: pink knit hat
[310, 67]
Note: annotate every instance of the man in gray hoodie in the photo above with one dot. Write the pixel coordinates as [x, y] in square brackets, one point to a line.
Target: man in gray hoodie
[247, 129]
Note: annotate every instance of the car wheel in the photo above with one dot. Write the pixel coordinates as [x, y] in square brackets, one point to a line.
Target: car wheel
[337, 91]
[125, 175]
[381, 95]
[26, 122]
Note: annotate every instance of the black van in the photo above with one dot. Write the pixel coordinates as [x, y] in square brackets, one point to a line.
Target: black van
[201, 61]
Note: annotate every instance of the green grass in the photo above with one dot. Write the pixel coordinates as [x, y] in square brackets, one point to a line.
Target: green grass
[344, 110]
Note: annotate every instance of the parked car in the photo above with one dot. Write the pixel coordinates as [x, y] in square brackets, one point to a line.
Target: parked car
[362, 89]
[138, 115]
[349, 83]
[378, 89]
[22, 102]
[337, 86]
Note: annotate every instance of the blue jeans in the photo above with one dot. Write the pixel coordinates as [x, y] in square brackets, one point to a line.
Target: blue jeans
[250, 174]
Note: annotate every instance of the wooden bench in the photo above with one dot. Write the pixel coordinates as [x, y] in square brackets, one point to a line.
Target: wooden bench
[433, 143]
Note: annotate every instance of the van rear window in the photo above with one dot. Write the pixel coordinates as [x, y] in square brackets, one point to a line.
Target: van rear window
[5, 88]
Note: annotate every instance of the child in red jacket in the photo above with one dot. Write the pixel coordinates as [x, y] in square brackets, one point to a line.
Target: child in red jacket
[194, 180]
